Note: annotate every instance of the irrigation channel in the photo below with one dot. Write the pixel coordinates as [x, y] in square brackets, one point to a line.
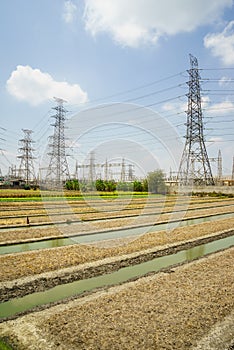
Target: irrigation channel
[25, 304]
[91, 237]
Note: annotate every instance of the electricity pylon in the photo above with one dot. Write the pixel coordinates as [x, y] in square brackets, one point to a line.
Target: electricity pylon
[106, 171]
[194, 166]
[220, 168]
[58, 170]
[92, 175]
[233, 168]
[26, 169]
[130, 172]
[123, 172]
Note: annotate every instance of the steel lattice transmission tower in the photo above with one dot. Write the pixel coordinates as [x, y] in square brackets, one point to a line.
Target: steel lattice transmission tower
[92, 175]
[233, 168]
[123, 171]
[58, 170]
[26, 169]
[194, 166]
[220, 168]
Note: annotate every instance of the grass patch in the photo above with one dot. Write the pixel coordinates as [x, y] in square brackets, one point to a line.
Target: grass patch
[213, 194]
[19, 193]
[37, 195]
[4, 345]
[20, 199]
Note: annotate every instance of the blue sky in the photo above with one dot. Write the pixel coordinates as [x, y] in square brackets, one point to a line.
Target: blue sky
[87, 50]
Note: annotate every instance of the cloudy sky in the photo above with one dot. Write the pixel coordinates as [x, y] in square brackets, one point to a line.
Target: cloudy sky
[93, 52]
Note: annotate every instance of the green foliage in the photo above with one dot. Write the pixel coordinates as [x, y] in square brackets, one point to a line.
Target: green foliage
[100, 185]
[105, 186]
[125, 186]
[4, 345]
[76, 186]
[213, 194]
[110, 186]
[137, 186]
[156, 183]
[68, 185]
[145, 185]
[72, 185]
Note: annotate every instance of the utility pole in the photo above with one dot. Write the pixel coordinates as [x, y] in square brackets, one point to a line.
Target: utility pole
[12, 172]
[220, 170]
[194, 168]
[170, 175]
[76, 171]
[123, 172]
[26, 169]
[106, 171]
[233, 168]
[130, 172]
[91, 170]
[58, 167]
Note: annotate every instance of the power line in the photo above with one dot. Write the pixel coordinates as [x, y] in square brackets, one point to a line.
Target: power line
[223, 68]
[154, 93]
[217, 80]
[137, 88]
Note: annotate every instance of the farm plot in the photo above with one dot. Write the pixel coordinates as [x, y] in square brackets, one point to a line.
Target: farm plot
[134, 306]
[35, 262]
[178, 309]
[101, 211]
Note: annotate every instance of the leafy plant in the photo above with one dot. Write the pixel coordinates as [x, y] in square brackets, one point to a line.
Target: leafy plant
[156, 182]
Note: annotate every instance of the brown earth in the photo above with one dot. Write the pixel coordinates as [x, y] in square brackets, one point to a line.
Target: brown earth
[173, 311]
[18, 265]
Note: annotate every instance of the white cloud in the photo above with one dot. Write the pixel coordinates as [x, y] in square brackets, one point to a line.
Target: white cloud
[225, 81]
[215, 139]
[174, 106]
[205, 100]
[222, 44]
[133, 22]
[35, 87]
[179, 107]
[70, 10]
[222, 108]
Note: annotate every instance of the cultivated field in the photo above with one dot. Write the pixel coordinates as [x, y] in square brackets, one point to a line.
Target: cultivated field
[32, 220]
[189, 308]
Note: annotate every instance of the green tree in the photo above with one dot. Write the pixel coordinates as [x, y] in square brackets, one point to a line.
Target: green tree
[72, 185]
[156, 183]
[145, 185]
[100, 185]
[110, 185]
[69, 185]
[76, 185]
[137, 186]
[105, 185]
